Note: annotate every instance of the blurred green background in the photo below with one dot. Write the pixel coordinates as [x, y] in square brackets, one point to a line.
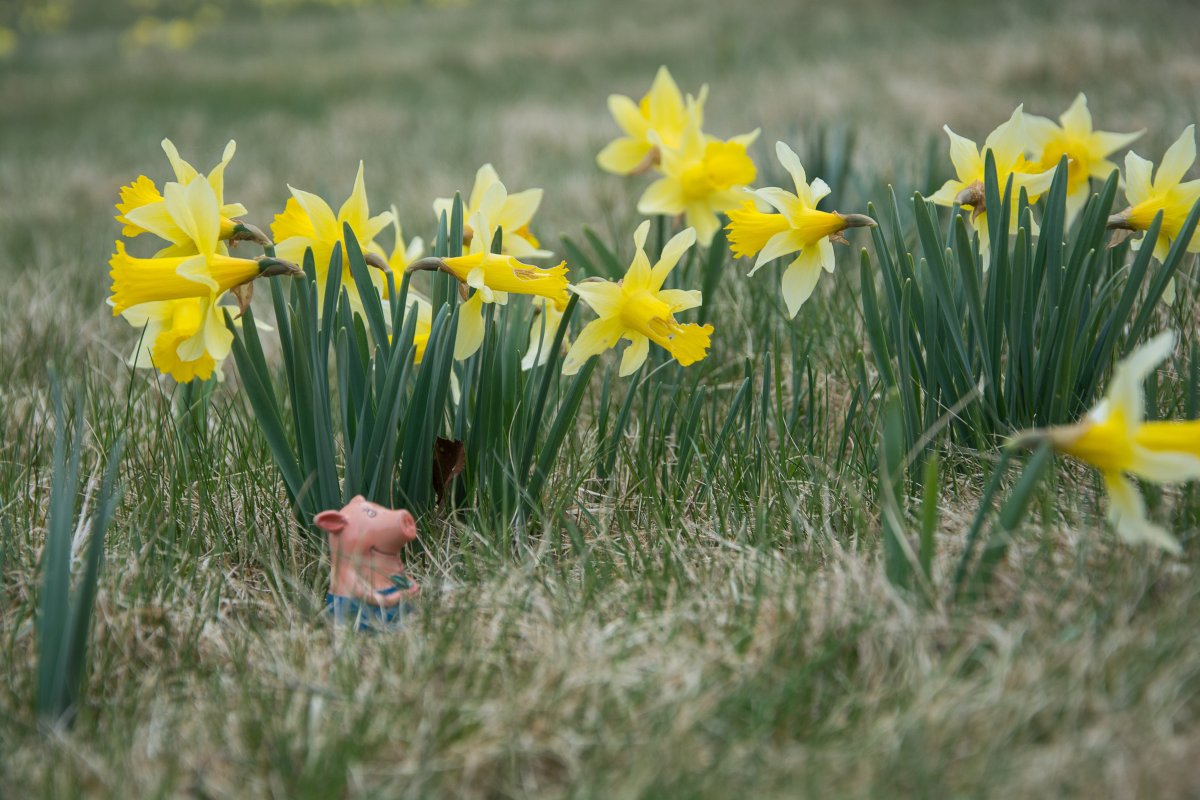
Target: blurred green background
[204, 637]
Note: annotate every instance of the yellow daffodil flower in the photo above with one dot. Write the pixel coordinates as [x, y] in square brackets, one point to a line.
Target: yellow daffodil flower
[1165, 191]
[511, 213]
[798, 228]
[177, 297]
[308, 221]
[493, 277]
[702, 179]
[641, 311]
[1087, 149]
[656, 123]
[1115, 439]
[142, 208]
[1007, 145]
[542, 332]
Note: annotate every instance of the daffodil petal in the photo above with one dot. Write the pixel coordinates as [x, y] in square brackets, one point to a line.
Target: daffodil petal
[1105, 143]
[791, 162]
[622, 156]
[155, 218]
[781, 244]
[596, 337]
[603, 297]
[1164, 466]
[1007, 141]
[1178, 159]
[1137, 178]
[634, 355]
[628, 116]
[519, 209]
[964, 153]
[671, 253]
[470, 327]
[1127, 512]
[319, 213]
[485, 178]
[782, 201]
[662, 197]
[1125, 395]
[800, 278]
[184, 172]
[681, 299]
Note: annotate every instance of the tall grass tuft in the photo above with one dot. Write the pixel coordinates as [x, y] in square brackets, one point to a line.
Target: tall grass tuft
[64, 618]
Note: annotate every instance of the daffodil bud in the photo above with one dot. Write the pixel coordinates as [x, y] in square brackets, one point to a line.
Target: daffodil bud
[240, 231]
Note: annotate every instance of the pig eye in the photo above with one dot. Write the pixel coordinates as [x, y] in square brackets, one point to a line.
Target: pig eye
[370, 511]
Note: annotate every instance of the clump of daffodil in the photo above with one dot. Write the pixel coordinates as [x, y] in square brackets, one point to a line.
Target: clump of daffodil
[493, 277]
[701, 179]
[545, 327]
[640, 310]
[1087, 149]
[1149, 193]
[177, 296]
[1007, 145]
[657, 122]
[307, 221]
[1115, 439]
[798, 228]
[142, 208]
[511, 213]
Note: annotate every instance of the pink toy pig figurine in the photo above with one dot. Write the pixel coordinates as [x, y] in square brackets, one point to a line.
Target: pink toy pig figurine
[365, 540]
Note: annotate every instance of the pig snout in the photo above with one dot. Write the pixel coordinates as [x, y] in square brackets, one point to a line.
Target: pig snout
[391, 530]
[407, 525]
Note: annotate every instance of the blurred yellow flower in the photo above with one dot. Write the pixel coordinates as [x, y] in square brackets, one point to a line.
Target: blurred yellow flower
[1007, 145]
[1166, 191]
[641, 311]
[1087, 149]
[8, 41]
[149, 31]
[511, 213]
[307, 221]
[142, 209]
[701, 179]
[1115, 439]
[657, 122]
[798, 228]
[177, 297]
[542, 332]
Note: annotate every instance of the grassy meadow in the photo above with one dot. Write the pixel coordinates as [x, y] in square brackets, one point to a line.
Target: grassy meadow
[727, 629]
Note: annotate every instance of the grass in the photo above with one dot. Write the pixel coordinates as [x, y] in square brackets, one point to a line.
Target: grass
[705, 610]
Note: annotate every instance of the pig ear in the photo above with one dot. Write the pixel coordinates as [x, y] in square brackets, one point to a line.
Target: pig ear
[358, 498]
[332, 521]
